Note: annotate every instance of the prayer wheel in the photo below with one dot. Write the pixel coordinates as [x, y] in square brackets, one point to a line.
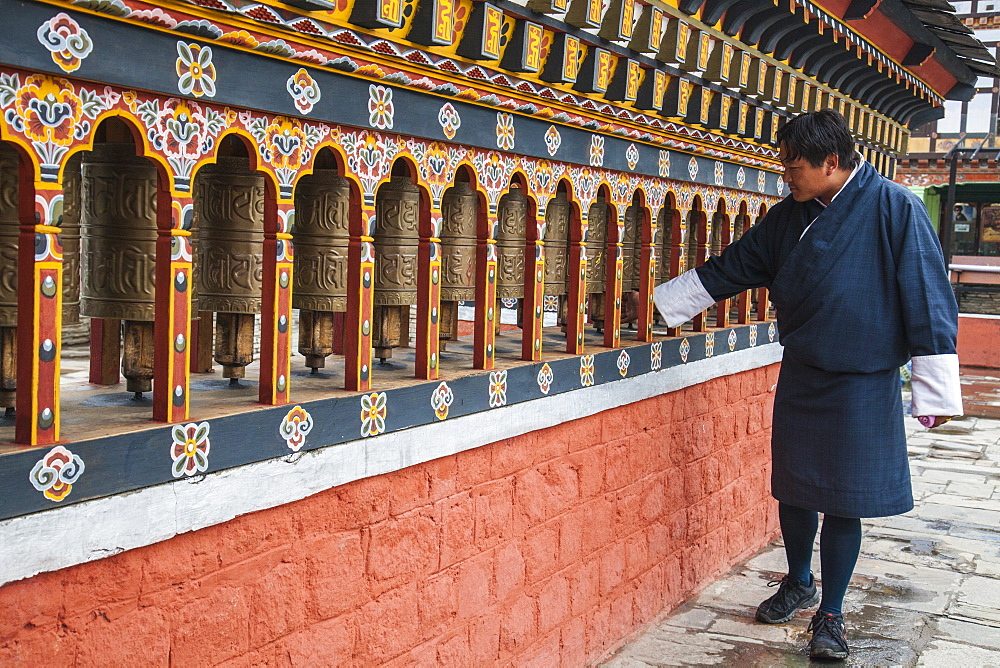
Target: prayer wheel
[69, 237]
[597, 252]
[512, 216]
[229, 205]
[118, 253]
[460, 218]
[631, 249]
[397, 218]
[322, 203]
[8, 276]
[557, 245]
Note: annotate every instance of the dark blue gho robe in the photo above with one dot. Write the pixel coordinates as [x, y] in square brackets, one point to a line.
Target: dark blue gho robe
[859, 287]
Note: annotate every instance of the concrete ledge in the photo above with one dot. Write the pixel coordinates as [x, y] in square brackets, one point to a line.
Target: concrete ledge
[979, 340]
[91, 530]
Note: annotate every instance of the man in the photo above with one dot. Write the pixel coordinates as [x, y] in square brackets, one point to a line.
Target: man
[858, 282]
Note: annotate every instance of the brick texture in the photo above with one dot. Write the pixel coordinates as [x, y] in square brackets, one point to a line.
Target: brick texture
[552, 548]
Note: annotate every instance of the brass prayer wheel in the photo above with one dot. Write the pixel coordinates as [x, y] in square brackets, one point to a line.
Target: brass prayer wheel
[459, 209]
[69, 236]
[322, 203]
[512, 216]
[597, 251]
[8, 275]
[397, 219]
[557, 245]
[631, 249]
[118, 251]
[229, 210]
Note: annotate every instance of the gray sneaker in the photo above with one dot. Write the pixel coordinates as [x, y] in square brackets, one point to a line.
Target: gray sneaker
[792, 595]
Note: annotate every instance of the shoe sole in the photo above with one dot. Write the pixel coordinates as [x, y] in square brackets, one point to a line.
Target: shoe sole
[828, 654]
[811, 602]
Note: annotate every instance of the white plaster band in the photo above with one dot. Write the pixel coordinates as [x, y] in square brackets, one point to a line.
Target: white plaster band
[57, 538]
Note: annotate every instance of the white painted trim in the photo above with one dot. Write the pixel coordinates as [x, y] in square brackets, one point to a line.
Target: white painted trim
[982, 316]
[91, 530]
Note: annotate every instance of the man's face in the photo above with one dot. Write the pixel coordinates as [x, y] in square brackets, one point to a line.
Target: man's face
[805, 181]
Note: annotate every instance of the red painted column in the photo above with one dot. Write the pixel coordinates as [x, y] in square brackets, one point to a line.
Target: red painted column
[576, 309]
[39, 321]
[360, 301]
[484, 343]
[172, 327]
[276, 308]
[427, 353]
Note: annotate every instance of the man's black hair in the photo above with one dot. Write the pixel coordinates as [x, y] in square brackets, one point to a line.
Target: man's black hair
[816, 135]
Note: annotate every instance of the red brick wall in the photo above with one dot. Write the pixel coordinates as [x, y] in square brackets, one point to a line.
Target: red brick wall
[547, 549]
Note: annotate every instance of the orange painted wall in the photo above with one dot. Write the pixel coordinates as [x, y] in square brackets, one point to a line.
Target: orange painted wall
[547, 549]
[979, 342]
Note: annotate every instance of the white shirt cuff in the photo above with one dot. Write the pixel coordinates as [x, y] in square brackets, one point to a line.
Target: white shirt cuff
[681, 298]
[936, 389]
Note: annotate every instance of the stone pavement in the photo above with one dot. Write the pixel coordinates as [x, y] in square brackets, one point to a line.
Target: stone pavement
[926, 591]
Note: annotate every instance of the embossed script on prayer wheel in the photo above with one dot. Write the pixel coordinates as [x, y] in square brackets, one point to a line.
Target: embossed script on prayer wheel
[8, 276]
[321, 233]
[631, 248]
[118, 219]
[69, 236]
[118, 252]
[322, 202]
[512, 215]
[556, 245]
[229, 211]
[397, 218]
[597, 252]
[460, 207]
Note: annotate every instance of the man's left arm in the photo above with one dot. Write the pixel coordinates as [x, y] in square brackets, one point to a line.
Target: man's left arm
[930, 315]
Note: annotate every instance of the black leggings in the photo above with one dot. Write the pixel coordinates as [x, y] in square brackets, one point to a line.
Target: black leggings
[839, 546]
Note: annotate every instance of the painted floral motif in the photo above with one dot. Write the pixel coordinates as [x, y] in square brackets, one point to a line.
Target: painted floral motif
[284, 143]
[380, 107]
[552, 140]
[685, 350]
[741, 177]
[68, 42]
[545, 378]
[781, 187]
[294, 428]
[373, 410]
[771, 331]
[586, 370]
[623, 362]
[441, 400]
[498, 388]
[719, 173]
[304, 90]
[370, 157]
[596, 151]
[632, 156]
[449, 119]
[505, 131]
[508, 302]
[709, 344]
[195, 71]
[55, 473]
[182, 130]
[732, 340]
[693, 168]
[753, 336]
[761, 184]
[656, 356]
[663, 168]
[190, 449]
[550, 303]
